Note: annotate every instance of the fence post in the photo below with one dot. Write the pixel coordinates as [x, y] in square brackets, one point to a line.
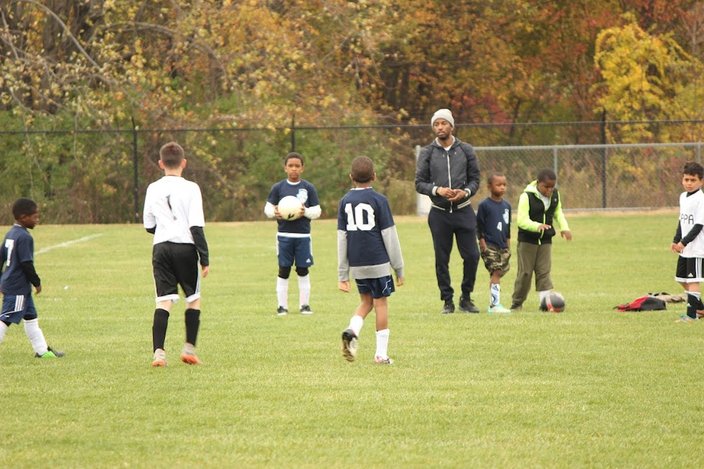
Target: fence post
[293, 132]
[135, 167]
[554, 160]
[603, 159]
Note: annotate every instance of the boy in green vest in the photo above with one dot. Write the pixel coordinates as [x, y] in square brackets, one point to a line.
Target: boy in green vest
[538, 207]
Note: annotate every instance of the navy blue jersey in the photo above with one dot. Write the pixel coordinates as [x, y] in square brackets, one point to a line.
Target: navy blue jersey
[18, 247]
[364, 214]
[303, 191]
[494, 222]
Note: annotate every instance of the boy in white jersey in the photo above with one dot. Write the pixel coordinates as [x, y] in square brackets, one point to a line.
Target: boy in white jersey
[173, 213]
[689, 240]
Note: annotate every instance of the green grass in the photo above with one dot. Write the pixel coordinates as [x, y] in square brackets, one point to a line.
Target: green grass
[587, 388]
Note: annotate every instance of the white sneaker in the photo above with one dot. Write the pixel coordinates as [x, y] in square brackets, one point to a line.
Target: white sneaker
[383, 361]
[498, 309]
[159, 359]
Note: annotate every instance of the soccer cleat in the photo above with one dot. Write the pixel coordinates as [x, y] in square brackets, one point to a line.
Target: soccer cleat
[281, 311]
[466, 305]
[686, 318]
[190, 358]
[349, 345]
[159, 360]
[383, 361]
[498, 309]
[50, 353]
[448, 307]
[305, 309]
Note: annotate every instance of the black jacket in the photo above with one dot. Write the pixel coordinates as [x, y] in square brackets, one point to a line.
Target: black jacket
[456, 168]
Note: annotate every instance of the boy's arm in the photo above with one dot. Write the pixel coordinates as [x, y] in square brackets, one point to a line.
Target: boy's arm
[31, 273]
[678, 234]
[693, 233]
[560, 216]
[201, 245]
[343, 265]
[312, 212]
[269, 210]
[523, 217]
[393, 249]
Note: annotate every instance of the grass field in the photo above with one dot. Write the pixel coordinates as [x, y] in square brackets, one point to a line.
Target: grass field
[586, 388]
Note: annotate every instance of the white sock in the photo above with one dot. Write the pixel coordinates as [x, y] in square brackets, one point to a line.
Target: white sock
[542, 295]
[495, 290]
[3, 328]
[304, 290]
[36, 336]
[282, 291]
[356, 323]
[382, 343]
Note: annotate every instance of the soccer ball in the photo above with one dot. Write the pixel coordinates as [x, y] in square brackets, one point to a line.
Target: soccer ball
[553, 302]
[290, 208]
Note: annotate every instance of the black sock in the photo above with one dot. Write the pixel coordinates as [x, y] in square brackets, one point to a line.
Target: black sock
[161, 320]
[192, 325]
[692, 304]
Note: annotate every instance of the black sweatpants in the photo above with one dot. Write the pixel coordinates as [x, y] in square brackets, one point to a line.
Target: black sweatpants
[445, 227]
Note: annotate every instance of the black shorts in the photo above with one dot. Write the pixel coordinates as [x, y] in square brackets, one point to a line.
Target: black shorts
[689, 270]
[176, 264]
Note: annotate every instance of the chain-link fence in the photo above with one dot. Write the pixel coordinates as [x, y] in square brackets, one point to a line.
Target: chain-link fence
[101, 176]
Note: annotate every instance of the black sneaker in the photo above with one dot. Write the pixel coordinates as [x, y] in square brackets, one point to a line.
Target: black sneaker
[50, 353]
[466, 305]
[305, 309]
[349, 345]
[516, 307]
[448, 307]
[281, 311]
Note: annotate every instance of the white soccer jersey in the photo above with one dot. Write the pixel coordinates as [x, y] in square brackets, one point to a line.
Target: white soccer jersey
[173, 205]
[692, 213]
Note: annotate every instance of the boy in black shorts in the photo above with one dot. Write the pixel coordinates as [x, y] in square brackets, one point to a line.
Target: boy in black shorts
[173, 213]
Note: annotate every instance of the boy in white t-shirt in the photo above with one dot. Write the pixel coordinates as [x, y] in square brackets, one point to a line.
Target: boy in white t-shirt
[689, 240]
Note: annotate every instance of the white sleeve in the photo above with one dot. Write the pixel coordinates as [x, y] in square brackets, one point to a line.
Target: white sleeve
[269, 210]
[312, 212]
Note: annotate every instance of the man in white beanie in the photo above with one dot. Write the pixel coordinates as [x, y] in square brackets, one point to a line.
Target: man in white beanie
[447, 171]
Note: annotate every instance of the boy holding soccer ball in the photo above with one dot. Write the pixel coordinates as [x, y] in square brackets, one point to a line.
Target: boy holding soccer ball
[293, 241]
[689, 240]
[367, 249]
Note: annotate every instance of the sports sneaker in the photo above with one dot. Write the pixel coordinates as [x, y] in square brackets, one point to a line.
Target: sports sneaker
[448, 307]
[383, 361]
[516, 307]
[159, 360]
[466, 305]
[349, 345]
[50, 353]
[281, 311]
[190, 358]
[498, 309]
[305, 309]
[685, 318]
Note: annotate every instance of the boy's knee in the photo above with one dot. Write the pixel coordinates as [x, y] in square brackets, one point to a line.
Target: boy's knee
[302, 271]
[284, 272]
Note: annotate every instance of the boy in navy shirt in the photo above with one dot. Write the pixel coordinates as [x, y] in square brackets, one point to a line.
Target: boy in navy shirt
[293, 241]
[17, 261]
[367, 249]
[494, 233]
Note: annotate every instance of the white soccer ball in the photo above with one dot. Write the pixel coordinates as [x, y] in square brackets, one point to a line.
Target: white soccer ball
[290, 208]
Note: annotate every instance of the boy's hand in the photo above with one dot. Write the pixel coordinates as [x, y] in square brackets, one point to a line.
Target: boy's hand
[277, 214]
[344, 286]
[567, 234]
[38, 289]
[677, 247]
[399, 281]
[544, 227]
[204, 270]
[482, 245]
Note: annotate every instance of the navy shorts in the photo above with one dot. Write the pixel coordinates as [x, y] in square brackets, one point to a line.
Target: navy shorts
[377, 287]
[298, 250]
[18, 307]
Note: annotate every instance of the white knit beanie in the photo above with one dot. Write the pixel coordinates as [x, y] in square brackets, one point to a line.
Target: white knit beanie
[443, 114]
